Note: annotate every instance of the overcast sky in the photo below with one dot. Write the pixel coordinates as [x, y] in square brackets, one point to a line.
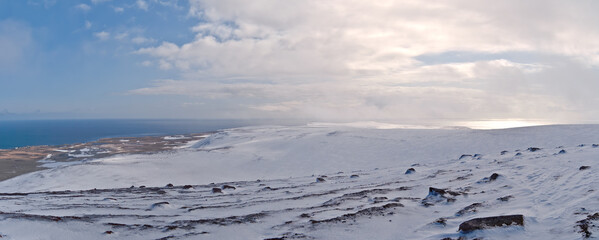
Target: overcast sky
[323, 60]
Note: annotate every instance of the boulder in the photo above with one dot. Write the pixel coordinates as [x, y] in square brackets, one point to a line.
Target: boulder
[584, 168]
[562, 151]
[505, 199]
[436, 195]
[491, 222]
[410, 171]
[533, 149]
[586, 224]
[491, 178]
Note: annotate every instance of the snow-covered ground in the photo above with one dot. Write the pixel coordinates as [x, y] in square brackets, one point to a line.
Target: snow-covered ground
[362, 191]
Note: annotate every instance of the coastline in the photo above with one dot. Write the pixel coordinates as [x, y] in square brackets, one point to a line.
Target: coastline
[22, 160]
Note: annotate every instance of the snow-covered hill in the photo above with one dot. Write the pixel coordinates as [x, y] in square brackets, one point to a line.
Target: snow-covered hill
[320, 182]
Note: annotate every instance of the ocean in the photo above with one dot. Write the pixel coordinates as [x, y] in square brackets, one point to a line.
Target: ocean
[20, 133]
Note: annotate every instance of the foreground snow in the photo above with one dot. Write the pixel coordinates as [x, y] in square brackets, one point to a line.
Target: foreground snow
[363, 191]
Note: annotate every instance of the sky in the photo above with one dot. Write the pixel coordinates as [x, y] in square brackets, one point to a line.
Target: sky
[337, 60]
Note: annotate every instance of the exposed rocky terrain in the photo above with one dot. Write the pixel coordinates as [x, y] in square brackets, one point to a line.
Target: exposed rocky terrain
[549, 193]
[17, 161]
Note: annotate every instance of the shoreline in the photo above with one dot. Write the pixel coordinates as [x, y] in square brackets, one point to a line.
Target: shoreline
[18, 161]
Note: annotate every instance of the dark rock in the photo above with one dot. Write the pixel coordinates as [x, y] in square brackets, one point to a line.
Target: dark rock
[595, 145]
[504, 152]
[587, 223]
[490, 222]
[142, 186]
[410, 171]
[368, 212]
[379, 199]
[228, 187]
[305, 215]
[171, 227]
[505, 199]
[158, 204]
[584, 167]
[469, 209]
[441, 221]
[187, 187]
[320, 179]
[132, 186]
[464, 156]
[562, 151]
[581, 145]
[478, 156]
[354, 176]
[217, 190]
[161, 192]
[533, 149]
[493, 177]
[169, 185]
[275, 238]
[436, 195]
[518, 154]
[107, 232]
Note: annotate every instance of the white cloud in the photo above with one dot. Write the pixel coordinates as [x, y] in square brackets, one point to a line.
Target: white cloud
[83, 7]
[15, 41]
[141, 4]
[119, 9]
[102, 35]
[121, 36]
[100, 1]
[361, 58]
[141, 40]
[88, 24]
[45, 3]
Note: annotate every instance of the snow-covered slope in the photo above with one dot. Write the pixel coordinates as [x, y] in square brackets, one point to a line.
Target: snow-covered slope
[363, 191]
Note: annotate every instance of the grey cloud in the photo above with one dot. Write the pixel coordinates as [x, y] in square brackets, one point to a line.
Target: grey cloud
[389, 59]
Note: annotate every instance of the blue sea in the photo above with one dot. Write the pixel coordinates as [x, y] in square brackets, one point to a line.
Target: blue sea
[20, 133]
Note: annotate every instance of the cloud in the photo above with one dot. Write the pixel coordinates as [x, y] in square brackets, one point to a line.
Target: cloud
[45, 3]
[83, 7]
[100, 1]
[102, 35]
[122, 36]
[15, 41]
[119, 9]
[142, 40]
[365, 59]
[141, 4]
[88, 24]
